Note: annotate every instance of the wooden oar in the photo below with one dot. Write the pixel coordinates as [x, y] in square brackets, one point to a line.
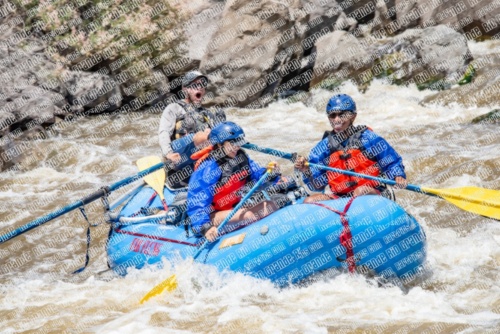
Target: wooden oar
[155, 180]
[481, 201]
[170, 284]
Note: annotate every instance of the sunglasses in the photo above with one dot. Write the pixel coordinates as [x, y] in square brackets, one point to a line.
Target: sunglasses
[197, 85]
[341, 114]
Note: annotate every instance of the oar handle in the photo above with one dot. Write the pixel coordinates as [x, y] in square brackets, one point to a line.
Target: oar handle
[86, 200]
[236, 208]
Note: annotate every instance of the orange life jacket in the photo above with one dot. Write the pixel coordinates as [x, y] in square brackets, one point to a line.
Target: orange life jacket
[233, 178]
[353, 158]
[201, 155]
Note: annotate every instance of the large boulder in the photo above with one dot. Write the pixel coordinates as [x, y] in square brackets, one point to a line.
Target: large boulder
[436, 56]
[481, 92]
[476, 18]
[491, 117]
[33, 91]
[433, 57]
[340, 56]
[36, 91]
[28, 89]
[204, 20]
[89, 90]
[254, 48]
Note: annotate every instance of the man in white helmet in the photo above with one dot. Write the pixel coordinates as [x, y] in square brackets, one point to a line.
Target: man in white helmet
[184, 127]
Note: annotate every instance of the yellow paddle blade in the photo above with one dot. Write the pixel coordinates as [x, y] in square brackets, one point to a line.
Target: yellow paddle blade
[155, 180]
[484, 202]
[170, 284]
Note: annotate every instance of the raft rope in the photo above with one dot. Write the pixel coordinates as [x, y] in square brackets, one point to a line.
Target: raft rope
[148, 204]
[154, 237]
[346, 236]
[105, 204]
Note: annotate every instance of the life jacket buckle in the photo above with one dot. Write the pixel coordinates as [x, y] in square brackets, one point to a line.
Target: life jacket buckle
[345, 156]
[351, 184]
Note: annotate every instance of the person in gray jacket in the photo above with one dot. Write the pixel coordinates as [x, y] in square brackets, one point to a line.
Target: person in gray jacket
[184, 128]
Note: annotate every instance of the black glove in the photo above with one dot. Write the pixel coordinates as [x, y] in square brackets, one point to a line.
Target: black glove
[205, 227]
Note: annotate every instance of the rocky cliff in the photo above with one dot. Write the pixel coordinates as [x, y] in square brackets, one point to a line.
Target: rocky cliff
[61, 57]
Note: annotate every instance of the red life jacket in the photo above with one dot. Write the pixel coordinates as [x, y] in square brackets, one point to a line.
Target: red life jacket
[235, 175]
[352, 157]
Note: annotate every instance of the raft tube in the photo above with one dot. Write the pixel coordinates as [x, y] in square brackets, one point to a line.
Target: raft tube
[286, 247]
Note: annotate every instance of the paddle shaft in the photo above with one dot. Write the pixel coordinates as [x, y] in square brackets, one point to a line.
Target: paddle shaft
[236, 208]
[86, 200]
[291, 156]
[171, 282]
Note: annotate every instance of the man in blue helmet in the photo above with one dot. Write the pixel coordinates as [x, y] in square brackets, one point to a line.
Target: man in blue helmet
[222, 173]
[184, 128]
[353, 148]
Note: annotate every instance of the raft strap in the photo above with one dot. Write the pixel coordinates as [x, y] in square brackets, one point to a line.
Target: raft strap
[346, 236]
[82, 210]
[144, 208]
[105, 198]
[154, 237]
[105, 204]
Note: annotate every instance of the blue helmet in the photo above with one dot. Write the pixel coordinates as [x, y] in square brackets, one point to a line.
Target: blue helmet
[226, 131]
[340, 102]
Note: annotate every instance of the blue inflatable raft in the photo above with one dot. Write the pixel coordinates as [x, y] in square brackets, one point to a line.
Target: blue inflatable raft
[292, 244]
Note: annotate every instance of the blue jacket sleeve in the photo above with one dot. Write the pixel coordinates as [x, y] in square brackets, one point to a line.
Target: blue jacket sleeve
[256, 171]
[320, 155]
[179, 145]
[389, 161]
[185, 147]
[201, 193]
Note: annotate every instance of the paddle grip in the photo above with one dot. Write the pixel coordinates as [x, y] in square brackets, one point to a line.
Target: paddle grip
[95, 195]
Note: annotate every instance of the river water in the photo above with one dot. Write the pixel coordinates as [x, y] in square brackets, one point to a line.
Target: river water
[440, 148]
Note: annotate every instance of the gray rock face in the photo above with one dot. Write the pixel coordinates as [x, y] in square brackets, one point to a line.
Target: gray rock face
[247, 54]
[254, 51]
[203, 23]
[257, 50]
[34, 90]
[26, 91]
[475, 18]
[89, 89]
[339, 55]
[262, 49]
[431, 55]
[481, 92]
